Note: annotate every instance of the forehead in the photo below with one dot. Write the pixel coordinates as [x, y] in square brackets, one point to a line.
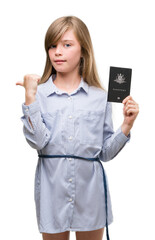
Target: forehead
[69, 35]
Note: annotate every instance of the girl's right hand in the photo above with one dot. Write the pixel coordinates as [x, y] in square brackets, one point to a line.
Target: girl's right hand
[30, 83]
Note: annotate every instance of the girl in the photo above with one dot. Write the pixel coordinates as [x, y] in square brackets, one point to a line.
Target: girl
[67, 119]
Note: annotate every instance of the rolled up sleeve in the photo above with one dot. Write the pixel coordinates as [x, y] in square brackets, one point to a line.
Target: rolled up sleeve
[113, 142]
[37, 135]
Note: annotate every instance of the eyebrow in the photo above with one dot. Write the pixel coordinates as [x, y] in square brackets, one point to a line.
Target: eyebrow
[67, 40]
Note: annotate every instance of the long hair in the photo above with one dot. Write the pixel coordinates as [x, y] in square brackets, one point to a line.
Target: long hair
[87, 68]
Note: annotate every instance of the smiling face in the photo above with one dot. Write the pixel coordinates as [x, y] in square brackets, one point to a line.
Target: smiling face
[65, 55]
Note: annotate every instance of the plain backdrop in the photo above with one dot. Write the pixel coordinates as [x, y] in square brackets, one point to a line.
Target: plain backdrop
[122, 33]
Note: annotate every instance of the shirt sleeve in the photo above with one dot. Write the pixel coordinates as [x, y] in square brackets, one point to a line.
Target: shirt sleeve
[113, 142]
[37, 135]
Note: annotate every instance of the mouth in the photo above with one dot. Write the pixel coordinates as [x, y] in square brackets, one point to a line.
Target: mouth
[60, 61]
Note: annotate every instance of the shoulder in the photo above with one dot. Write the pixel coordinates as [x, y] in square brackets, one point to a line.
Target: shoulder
[98, 98]
[43, 88]
[98, 92]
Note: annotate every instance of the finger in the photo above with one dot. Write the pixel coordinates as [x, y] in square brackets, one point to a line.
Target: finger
[19, 83]
[132, 111]
[132, 101]
[130, 106]
[129, 102]
[126, 99]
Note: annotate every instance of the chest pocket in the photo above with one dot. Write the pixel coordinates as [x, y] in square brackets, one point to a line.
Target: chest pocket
[53, 121]
[91, 127]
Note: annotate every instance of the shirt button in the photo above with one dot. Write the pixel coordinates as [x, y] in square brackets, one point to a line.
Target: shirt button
[70, 117]
[70, 200]
[26, 110]
[69, 159]
[70, 179]
[69, 98]
[70, 137]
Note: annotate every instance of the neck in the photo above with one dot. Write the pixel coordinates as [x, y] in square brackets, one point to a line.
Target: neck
[67, 81]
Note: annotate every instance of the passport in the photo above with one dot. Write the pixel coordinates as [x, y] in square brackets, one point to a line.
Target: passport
[119, 84]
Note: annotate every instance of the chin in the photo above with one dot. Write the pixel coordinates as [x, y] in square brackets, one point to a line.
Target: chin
[62, 71]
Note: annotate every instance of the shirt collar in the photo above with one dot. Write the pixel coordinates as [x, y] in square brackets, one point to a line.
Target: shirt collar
[51, 87]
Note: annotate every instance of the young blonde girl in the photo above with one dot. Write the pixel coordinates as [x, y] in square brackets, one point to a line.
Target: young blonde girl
[67, 119]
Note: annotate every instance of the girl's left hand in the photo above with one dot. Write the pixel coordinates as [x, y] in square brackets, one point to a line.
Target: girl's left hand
[130, 112]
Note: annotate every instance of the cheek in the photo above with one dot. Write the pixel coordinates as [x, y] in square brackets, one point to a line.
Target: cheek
[74, 56]
[50, 55]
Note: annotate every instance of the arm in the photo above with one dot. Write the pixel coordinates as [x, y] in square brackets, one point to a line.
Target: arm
[29, 98]
[34, 129]
[113, 142]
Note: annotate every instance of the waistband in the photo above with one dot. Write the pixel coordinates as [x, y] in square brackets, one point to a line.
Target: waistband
[104, 179]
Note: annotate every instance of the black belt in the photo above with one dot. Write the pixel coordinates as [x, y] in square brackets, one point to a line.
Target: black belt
[104, 179]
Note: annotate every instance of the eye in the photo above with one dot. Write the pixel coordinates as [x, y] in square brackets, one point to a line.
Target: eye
[67, 44]
[52, 46]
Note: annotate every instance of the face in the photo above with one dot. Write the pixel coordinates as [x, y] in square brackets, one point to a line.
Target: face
[65, 55]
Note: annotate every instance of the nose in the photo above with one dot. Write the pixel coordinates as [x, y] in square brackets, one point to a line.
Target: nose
[58, 50]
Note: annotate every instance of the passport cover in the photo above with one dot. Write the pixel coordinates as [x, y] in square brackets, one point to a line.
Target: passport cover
[119, 84]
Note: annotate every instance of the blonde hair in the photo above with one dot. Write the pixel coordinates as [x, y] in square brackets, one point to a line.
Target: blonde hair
[87, 69]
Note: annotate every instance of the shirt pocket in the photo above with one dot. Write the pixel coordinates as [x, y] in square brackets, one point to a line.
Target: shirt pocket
[91, 127]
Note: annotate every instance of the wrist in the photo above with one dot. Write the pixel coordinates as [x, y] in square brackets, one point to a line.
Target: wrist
[29, 97]
[30, 93]
[126, 128]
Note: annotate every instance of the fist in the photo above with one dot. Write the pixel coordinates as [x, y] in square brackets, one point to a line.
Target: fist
[130, 110]
[30, 82]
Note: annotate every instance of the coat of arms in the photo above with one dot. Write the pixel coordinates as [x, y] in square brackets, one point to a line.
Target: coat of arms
[120, 78]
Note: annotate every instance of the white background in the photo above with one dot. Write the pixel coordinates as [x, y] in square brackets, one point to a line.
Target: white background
[123, 35]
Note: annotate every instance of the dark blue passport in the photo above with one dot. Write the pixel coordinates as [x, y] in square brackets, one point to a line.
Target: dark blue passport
[119, 84]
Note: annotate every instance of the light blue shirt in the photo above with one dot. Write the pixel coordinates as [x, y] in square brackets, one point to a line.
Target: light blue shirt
[69, 193]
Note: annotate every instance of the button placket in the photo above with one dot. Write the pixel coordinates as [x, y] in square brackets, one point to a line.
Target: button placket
[70, 125]
[69, 149]
[70, 179]
[70, 137]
